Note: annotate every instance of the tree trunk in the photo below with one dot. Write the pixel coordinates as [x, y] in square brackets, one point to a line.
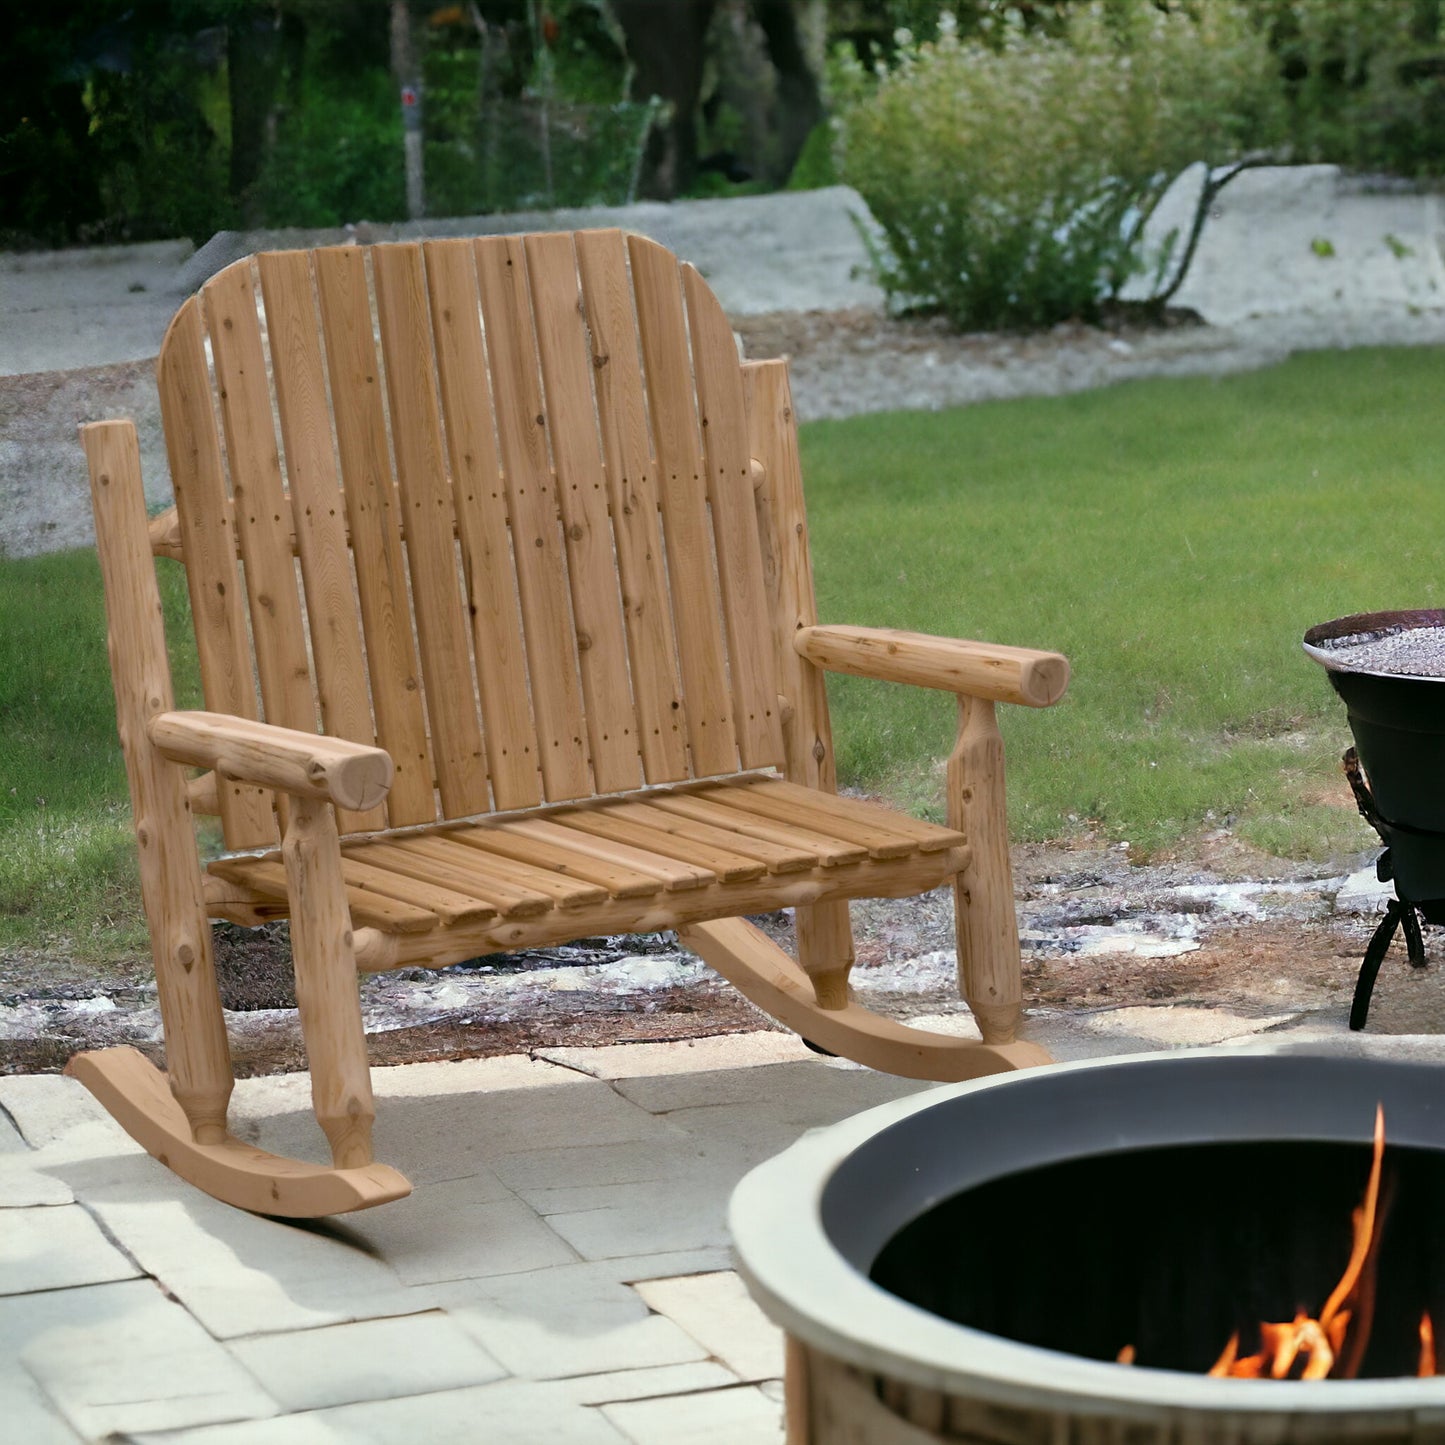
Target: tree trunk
[666, 44]
[408, 78]
[799, 102]
[253, 62]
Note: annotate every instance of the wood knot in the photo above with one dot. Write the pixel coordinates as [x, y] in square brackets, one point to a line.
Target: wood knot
[600, 361]
[584, 641]
[575, 531]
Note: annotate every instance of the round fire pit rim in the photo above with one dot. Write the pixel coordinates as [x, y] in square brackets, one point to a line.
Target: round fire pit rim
[781, 1248]
[1399, 620]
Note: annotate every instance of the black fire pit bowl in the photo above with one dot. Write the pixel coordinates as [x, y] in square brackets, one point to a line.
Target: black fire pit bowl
[1398, 724]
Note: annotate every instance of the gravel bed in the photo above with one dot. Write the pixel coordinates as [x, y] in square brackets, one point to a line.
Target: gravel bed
[1411, 652]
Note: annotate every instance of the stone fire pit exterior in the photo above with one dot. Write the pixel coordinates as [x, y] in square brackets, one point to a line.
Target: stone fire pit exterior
[865, 1366]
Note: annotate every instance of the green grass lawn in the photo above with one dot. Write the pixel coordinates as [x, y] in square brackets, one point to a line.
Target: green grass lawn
[1174, 538]
[67, 853]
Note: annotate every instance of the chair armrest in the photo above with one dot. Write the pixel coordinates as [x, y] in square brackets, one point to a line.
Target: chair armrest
[978, 669]
[351, 775]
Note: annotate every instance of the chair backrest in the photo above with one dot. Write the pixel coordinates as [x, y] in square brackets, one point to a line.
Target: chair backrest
[487, 503]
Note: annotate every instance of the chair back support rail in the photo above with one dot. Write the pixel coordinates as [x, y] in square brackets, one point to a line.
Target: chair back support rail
[499, 573]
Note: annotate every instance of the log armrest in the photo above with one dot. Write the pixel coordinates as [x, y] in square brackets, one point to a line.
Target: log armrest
[351, 775]
[976, 669]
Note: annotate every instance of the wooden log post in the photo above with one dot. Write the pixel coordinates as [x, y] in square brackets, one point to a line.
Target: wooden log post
[825, 930]
[197, 1055]
[323, 954]
[989, 967]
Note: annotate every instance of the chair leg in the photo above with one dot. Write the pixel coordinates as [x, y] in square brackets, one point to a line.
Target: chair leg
[197, 1055]
[989, 965]
[825, 950]
[322, 949]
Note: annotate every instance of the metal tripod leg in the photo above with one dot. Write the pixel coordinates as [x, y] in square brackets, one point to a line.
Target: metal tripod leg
[1374, 955]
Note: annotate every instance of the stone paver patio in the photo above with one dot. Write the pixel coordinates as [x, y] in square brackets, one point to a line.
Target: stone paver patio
[561, 1273]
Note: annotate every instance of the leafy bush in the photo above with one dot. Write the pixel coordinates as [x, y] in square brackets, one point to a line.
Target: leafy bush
[1011, 179]
[1366, 81]
[337, 157]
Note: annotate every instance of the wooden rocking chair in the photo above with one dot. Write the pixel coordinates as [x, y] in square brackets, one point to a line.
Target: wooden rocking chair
[505, 620]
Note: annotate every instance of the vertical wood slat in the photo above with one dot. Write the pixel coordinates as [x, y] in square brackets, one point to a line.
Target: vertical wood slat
[481, 507]
[562, 346]
[262, 522]
[696, 606]
[723, 417]
[825, 931]
[217, 605]
[456, 736]
[632, 494]
[537, 545]
[371, 508]
[317, 508]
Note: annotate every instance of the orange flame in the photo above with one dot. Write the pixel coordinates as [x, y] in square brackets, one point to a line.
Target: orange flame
[1315, 1344]
[1313, 1349]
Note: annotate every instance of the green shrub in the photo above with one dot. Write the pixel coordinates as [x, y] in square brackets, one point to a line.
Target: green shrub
[1365, 81]
[337, 157]
[1011, 179]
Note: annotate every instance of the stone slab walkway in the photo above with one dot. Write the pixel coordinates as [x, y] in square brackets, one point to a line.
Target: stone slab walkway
[561, 1273]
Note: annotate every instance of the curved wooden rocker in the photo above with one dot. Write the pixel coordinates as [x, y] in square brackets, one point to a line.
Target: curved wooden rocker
[137, 1095]
[507, 637]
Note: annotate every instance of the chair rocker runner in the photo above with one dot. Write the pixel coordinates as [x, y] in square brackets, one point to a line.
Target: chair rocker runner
[505, 620]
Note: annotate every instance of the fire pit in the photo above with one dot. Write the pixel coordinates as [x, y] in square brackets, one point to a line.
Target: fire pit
[1389, 670]
[971, 1262]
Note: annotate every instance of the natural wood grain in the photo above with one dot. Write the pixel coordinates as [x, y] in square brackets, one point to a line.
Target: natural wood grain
[989, 967]
[565, 355]
[619, 882]
[760, 970]
[728, 865]
[479, 498]
[134, 1092]
[795, 806]
[317, 509]
[442, 633]
[674, 873]
[825, 932]
[267, 875]
[885, 832]
[451, 863]
[351, 775]
[589, 568]
[426, 894]
[326, 991]
[204, 525]
[776, 857]
[682, 492]
[1001, 674]
[536, 535]
[372, 511]
[564, 891]
[830, 852]
[255, 465]
[722, 415]
[170, 872]
[607, 309]
[895, 878]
